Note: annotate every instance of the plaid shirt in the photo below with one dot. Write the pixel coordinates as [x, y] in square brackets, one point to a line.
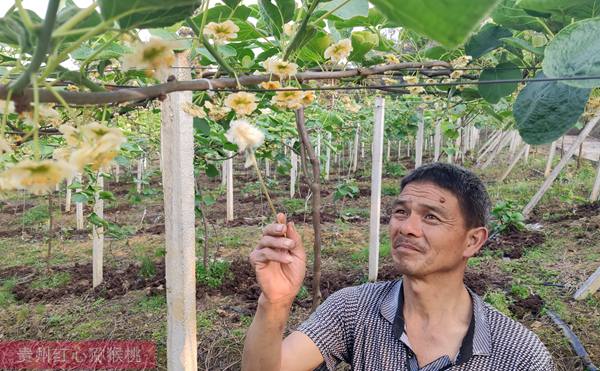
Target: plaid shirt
[364, 326]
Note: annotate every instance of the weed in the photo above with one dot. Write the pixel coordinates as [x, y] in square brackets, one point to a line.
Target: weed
[294, 205]
[498, 300]
[53, 281]
[148, 268]
[152, 303]
[6, 296]
[394, 169]
[214, 275]
[303, 293]
[36, 215]
[390, 190]
[507, 217]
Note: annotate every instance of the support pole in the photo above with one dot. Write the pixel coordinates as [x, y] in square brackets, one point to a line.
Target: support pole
[437, 139]
[328, 156]
[377, 160]
[98, 237]
[68, 195]
[79, 207]
[514, 162]
[589, 287]
[355, 149]
[549, 180]
[419, 139]
[550, 158]
[140, 170]
[229, 187]
[596, 188]
[177, 148]
[293, 171]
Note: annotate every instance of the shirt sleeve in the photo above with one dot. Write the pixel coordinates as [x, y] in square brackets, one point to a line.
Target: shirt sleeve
[331, 327]
[539, 360]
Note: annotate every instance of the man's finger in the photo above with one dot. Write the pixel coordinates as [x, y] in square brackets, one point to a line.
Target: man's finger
[281, 218]
[295, 236]
[276, 243]
[275, 230]
[267, 255]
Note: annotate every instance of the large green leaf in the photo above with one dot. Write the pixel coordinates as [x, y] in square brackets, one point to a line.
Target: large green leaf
[511, 16]
[486, 40]
[362, 43]
[374, 19]
[147, 13]
[314, 50]
[503, 71]
[563, 8]
[276, 15]
[349, 10]
[449, 22]
[68, 11]
[546, 110]
[14, 33]
[440, 53]
[575, 51]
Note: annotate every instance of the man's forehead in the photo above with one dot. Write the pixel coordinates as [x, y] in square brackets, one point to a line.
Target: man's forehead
[427, 193]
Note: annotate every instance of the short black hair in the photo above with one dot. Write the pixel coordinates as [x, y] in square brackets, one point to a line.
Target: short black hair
[470, 191]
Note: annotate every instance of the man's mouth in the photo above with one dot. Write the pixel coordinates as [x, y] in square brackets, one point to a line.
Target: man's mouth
[407, 246]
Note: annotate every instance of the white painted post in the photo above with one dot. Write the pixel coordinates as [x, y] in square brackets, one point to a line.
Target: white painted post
[596, 188]
[267, 168]
[98, 237]
[229, 187]
[362, 149]
[140, 170]
[551, 154]
[458, 146]
[377, 159]
[419, 139]
[319, 146]
[177, 147]
[399, 150]
[355, 149]
[224, 173]
[489, 145]
[79, 206]
[550, 179]
[388, 152]
[328, 156]
[497, 150]
[68, 195]
[437, 139]
[293, 172]
[526, 158]
[513, 143]
[117, 172]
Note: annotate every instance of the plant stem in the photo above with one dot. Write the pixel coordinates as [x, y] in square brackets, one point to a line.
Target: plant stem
[263, 186]
[41, 48]
[295, 43]
[73, 21]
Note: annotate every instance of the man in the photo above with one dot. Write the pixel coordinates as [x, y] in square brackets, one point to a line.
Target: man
[427, 321]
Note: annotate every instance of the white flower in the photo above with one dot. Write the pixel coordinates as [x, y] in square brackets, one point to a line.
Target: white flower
[221, 32]
[456, 74]
[155, 57]
[247, 137]
[280, 67]
[38, 177]
[270, 85]
[339, 51]
[461, 62]
[216, 113]
[193, 110]
[5, 147]
[242, 103]
[290, 99]
[290, 28]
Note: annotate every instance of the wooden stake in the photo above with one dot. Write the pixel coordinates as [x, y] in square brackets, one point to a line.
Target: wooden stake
[355, 148]
[514, 162]
[589, 287]
[68, 196]
[548, 182]
[98, 237]
[550, 158]
[497, 150]
[596, 188]
[377, 160]
[293, 172]
[140, 170]
[79, 206]
[328, 156]
[229, 188]
[177, 147]
[419, 139]
[437, 139]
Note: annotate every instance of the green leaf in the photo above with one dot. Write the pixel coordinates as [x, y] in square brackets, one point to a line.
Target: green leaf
[272, 15]
[113, 50]
[14, 33]
[503, 71]
[211, 171]
[80, 198]
[449, 22]
[569, 8]
[575, 51]
[161, 33]
[486, 40]
[374, 19]
[515, 42]
[362, 43]
[511, 16]
[106, 195]
[349, 9]
[220, 13]
[314, 50]
[147, 13]
[545, 110]
[201, 125]
[440, 53]
[68, 11]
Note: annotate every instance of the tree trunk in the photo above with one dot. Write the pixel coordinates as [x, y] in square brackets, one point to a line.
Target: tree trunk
[377, 159]
[315, 187]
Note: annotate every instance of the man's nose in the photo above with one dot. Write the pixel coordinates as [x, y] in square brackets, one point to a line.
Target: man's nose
[411, 225]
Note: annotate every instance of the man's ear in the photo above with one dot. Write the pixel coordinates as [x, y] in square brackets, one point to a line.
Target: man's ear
[476, 237]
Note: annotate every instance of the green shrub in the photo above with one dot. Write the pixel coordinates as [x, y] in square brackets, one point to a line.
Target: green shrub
[293, 205]
[506, 216]
[390, 190]
[346, 189]
[394, 169]
[36, 214]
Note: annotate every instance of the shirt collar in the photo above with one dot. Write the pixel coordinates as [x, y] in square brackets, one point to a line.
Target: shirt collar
[477, 341]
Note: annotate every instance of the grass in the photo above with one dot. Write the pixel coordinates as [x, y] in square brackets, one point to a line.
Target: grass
[152, 303]
[498, 300]
[6, 296]
[52, 281]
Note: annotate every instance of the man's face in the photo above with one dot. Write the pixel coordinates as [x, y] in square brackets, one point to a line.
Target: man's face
[427, 231]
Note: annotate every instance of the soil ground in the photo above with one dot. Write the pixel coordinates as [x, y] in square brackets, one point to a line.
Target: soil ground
[522, 273]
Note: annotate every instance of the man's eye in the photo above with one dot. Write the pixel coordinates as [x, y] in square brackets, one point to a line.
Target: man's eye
[400, 211]
[431, 217]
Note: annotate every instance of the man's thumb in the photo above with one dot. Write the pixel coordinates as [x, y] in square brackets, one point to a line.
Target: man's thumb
[291, 232]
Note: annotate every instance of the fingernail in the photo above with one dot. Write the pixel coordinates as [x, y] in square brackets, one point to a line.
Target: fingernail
[279, 227]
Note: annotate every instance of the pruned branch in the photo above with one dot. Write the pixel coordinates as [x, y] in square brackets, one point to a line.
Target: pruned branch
[160, 90]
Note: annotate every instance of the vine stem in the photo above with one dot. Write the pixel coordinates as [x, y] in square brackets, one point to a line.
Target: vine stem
[263, 185]
[41, 49]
